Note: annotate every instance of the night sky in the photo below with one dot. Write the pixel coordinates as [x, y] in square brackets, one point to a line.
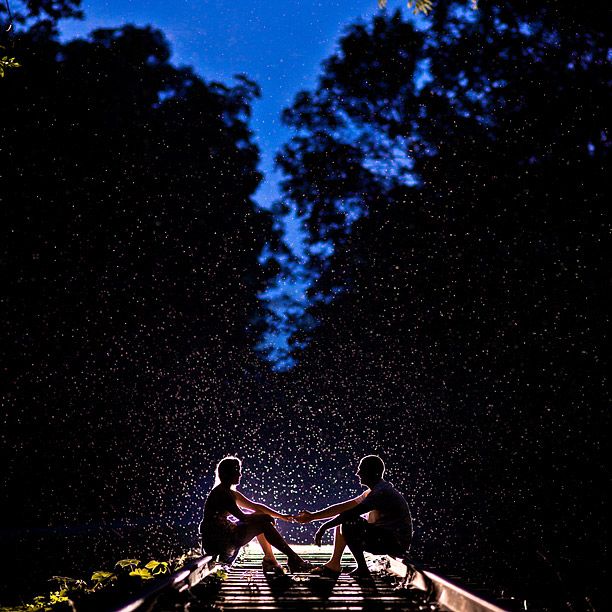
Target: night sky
[278, 45]
[281, 48]
[426, 278]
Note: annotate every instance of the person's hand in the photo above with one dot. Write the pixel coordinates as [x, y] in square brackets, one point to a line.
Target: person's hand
[304, 516]
[319, 536]
[287, 517]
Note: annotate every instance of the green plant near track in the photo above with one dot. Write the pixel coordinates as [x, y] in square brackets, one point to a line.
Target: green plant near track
[7, 62]
[127, 576]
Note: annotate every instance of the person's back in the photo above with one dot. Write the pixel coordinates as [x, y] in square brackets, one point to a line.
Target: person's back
[216, 528]
[389, 509]
[216, 508]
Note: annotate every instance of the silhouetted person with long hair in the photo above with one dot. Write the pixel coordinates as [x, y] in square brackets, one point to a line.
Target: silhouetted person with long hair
[388, 530]
[224, 537]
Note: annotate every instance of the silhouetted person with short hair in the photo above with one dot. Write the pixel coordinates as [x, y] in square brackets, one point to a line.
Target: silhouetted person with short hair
[224, 537]
[388, 530]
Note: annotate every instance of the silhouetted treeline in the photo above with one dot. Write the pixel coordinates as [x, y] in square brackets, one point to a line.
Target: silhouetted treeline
[459, 174]
[129, 252]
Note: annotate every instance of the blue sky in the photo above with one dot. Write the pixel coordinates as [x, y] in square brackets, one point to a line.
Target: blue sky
[278, 44]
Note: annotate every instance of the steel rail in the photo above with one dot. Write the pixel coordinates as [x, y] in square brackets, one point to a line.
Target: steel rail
[440, 589]
[193, 573]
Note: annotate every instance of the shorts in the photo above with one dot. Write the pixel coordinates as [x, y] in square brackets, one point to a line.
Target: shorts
[227, 542]
[374, 539]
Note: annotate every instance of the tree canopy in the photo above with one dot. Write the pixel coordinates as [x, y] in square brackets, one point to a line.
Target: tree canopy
[451, 183]
[29, 11]
[458, 178]
[129, 249]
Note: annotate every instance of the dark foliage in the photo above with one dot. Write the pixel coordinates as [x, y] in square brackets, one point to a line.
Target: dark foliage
[29, 11]
[129, 249]
[477, 304]
[469, 228]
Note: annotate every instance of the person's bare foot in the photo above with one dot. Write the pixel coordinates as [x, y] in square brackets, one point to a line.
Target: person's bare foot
[270, 566]
[325, 571]
[299, 566]
[361, 573]
[333, 567]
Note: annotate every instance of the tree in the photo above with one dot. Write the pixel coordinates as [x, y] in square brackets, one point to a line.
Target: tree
[459, 181]
[130, 243]
[27, 12]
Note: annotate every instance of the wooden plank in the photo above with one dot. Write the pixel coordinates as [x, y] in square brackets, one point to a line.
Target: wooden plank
[247, 588]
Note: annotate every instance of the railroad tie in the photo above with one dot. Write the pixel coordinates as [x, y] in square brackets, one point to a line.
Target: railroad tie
[248, 588]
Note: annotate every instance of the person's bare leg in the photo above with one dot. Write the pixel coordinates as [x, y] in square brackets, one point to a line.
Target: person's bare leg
[267, 549]
[362, 566]
[335, 562]
[274, 538]
[353, 541]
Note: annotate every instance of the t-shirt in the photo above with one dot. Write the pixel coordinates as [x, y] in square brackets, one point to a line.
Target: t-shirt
[387, 508]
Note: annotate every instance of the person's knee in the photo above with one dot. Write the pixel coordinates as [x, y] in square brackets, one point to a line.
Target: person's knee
[265, 521]
[353, 523]
[350, 528]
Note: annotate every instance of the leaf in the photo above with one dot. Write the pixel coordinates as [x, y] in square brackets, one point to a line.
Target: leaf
[128, 563]
[39, 599]
[100, 577]
[157, 567]
[58, 596]
[8, 62]
[143, 573]
[65, 582]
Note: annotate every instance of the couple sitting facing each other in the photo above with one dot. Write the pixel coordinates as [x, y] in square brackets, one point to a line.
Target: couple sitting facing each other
[388, 530]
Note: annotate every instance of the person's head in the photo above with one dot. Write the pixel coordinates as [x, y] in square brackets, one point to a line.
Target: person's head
[228, 471]
[371, 469]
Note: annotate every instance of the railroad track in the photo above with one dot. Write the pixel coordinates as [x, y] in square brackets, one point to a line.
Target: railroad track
[246, 587]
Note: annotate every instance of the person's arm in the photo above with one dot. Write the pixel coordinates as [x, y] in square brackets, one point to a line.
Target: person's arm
[230, 505]
[306, 517]
[354, 512]
[245, 502]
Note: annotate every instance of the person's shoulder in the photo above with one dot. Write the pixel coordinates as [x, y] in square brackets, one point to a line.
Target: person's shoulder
[219, 492]
[377, 489]
[362, 496]
[213, 492]
[384, 486]
[392, 490]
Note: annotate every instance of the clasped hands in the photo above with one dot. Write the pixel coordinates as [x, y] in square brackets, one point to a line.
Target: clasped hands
[303, 517]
